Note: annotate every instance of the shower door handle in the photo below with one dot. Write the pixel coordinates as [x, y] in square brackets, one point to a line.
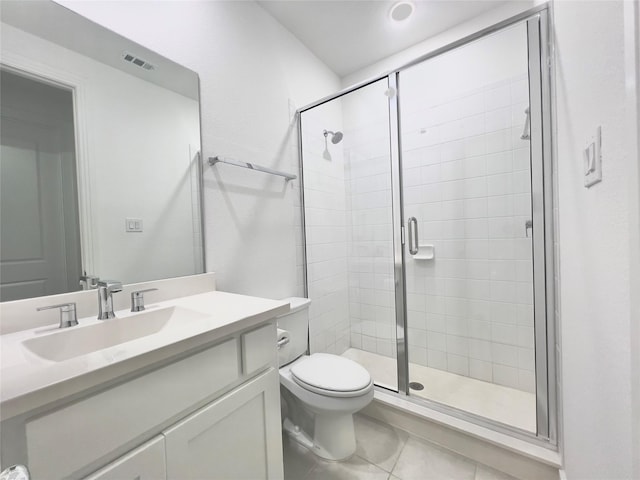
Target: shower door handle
[413, 235]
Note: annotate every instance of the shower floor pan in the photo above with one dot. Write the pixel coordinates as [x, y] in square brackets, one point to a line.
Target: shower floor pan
[503, 404]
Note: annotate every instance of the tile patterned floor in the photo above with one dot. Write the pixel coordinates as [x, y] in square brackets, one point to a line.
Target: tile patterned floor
[385, 453]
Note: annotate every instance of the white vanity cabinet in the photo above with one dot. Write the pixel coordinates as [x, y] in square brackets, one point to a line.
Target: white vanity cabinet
[212, 412]
[236, 436]
[146, 462]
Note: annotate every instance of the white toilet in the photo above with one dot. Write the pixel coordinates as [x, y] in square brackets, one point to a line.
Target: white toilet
[320, 392]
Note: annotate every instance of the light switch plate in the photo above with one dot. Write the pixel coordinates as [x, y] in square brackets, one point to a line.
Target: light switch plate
[133, 224]
[592, 158]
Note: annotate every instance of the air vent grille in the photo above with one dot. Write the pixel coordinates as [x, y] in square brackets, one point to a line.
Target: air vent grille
[137, 61]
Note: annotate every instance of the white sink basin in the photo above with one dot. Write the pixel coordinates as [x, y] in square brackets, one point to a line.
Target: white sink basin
[76, 341]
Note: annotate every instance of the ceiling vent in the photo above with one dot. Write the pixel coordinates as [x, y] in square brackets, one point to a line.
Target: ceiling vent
[129, 57]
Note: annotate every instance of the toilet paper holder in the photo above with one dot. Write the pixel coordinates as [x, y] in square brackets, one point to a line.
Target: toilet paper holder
[282, 342]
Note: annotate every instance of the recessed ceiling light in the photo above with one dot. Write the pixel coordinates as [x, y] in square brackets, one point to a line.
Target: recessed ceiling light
[401, 11]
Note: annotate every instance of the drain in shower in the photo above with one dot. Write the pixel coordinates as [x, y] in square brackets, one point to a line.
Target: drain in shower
[416, 386]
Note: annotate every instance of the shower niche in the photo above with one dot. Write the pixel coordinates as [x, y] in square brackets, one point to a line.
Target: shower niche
[428, 228]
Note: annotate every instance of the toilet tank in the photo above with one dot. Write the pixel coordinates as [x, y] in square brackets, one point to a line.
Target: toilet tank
[296, 322]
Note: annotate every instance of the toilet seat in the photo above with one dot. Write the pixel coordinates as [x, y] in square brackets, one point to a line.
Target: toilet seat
[331, 375]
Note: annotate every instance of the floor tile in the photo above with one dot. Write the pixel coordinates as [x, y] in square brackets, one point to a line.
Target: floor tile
[485, 473]
[298, 460]
[353, 469]
[422, 460]
[377, 442]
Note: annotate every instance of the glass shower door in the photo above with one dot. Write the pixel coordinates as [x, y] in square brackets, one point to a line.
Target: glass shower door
[346, 155]
[467, 183]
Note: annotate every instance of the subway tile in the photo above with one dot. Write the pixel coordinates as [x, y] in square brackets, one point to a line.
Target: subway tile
[456, 307]
[429, 174]
[457, 326]
[499, 163]
[480, 370]
[457, 364]
[474, 167]
[526, 336]
[475, 146]
[500, 206]
[478, 310]
[436, 323]
[503, 270]
[503, 312]
[527, 381]
[453, 170]
[453, 229]
[475, 208]
[452, 210]
[480, 329]
[504, 375]
[504, 354]
[457, 345]
[417, 355]
[476, 249]
[498, 141]
[452, 151]
[524, 271]
[521, 159]
[526, 359]
[502, 249]
[503, 291]
[437, 359]
[476, 227]
[497, 119]
[502, 227]
[479, 349]
[437, 341]
[497, 97]
[503, 333]
[500, 184]
[452, 190]
[524, 293]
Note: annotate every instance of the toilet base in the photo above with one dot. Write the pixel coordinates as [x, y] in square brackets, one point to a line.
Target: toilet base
[334, 436]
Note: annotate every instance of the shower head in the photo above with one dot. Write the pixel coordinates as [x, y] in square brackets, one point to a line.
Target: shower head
[336, 137]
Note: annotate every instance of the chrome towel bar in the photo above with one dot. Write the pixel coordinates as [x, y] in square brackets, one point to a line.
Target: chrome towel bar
[251, 166]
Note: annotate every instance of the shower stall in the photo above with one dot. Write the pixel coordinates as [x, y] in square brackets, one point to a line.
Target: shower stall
[427, 207]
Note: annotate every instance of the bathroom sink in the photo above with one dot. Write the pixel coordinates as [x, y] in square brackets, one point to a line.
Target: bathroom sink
[76, 341]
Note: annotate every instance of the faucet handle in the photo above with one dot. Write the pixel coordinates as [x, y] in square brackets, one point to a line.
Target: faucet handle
[137, 299]
[68, 316]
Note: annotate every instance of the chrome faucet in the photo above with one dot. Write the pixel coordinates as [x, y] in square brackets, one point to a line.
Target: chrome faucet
[106, 288]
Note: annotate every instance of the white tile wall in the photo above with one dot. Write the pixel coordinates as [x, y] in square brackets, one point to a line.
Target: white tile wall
[466, 179]
[471, 308]
[326, 234]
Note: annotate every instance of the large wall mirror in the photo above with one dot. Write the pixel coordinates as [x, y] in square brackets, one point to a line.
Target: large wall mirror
[100, 164]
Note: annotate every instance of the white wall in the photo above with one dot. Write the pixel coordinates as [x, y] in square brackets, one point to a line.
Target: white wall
[252, 71]
[138, 161]
[470, 27]
[597, 326]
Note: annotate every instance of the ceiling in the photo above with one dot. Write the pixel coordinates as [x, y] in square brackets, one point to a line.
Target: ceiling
[348, 35]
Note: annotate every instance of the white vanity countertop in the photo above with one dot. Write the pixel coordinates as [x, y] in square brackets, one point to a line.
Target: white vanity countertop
[28, 381]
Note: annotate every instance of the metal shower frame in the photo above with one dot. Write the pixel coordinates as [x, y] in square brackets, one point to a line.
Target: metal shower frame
[539, 41]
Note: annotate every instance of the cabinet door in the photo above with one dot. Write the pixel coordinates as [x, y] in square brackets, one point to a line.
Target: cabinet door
[236, 437]
[146, 462]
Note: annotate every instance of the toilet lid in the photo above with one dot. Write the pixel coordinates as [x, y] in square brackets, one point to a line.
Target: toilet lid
[331, 372]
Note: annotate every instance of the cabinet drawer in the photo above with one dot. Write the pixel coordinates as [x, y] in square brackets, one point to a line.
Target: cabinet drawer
[258, 348]
[66, 440]
[144, 463]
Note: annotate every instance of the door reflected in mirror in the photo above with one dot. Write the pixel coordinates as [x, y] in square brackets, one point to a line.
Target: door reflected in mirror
[100, 164]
